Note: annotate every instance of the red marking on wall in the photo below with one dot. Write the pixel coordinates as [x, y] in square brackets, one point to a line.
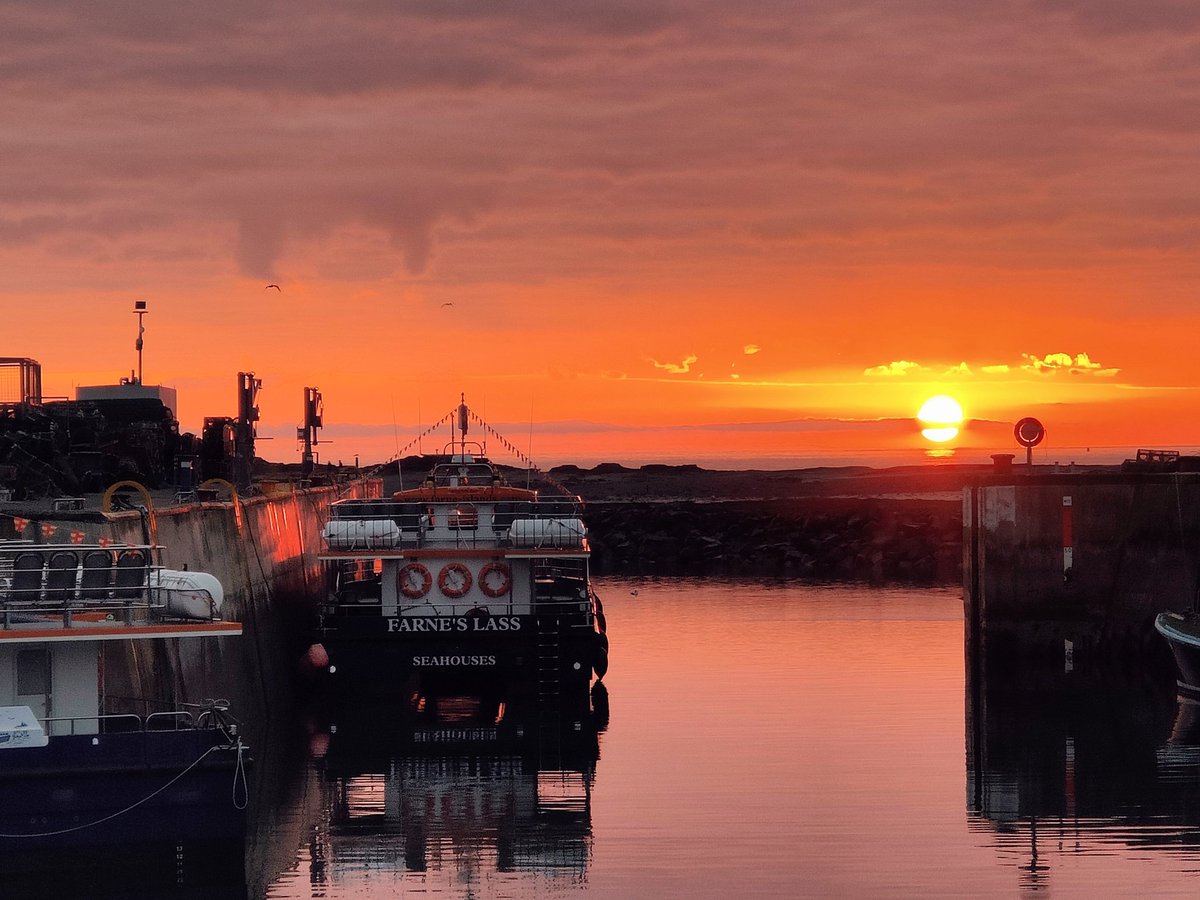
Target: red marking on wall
[1068, 539]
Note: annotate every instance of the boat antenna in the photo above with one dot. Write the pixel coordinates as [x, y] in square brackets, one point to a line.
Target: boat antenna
[529, 465]
[396, 436]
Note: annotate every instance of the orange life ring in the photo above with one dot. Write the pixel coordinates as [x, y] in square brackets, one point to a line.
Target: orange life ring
[492, 587]
[454, 580]
[416, 586]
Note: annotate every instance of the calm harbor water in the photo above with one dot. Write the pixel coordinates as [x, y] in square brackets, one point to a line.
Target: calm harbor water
[784, 740]
[759, 740]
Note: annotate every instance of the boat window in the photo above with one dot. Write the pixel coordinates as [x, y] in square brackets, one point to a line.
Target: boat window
[463, 475]
[465, 515]
[33, 671]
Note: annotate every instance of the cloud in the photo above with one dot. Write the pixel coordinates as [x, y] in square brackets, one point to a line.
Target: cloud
[808, 173]
[1117, 17]
[214, 113]
[1080, 364]
[677, 368]
[892, 369]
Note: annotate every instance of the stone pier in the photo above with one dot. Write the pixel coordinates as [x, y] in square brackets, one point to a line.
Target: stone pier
[1067, 567]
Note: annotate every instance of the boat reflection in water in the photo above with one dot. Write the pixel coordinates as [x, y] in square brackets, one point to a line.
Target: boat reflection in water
[462, 791]
[1064, 762]
[185, 851]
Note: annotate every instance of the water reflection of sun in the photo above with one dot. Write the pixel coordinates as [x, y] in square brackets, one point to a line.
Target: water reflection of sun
[940, 417]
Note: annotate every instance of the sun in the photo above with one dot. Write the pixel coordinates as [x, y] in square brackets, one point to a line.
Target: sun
[941, 416]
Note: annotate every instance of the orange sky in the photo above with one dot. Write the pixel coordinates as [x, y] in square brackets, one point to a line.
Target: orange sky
[655, 229]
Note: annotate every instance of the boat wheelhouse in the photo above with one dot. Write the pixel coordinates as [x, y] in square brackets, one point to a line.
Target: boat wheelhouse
[74, 748]
[463, 581]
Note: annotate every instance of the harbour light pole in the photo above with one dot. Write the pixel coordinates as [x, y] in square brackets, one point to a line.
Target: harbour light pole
[139, 310]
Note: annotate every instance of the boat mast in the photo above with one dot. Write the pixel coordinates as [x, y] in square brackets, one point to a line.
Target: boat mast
[462, 425]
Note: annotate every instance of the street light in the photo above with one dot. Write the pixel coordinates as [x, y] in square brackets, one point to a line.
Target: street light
[139, 310]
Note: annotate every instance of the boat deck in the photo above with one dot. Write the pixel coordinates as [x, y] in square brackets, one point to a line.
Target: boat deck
[83, 628]
[75, 592]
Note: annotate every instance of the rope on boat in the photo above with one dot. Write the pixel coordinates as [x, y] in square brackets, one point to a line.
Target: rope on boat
[399, 454]
[449, 417]
[239, 780]
[518, 454]
[240, 771]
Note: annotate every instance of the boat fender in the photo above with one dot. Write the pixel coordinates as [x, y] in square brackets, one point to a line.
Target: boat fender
[314, 662]
[600, 656]
[600, 706]
[317, 656]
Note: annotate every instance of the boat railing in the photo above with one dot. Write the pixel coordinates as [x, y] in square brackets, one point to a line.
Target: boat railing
[44, 583]
[205, 717]
[120, 723]
[176, 720]
[389, 524]
[97, 724]
[565, 607]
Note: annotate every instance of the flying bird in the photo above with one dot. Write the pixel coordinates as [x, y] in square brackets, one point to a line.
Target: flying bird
[277, 287]
[448, 303]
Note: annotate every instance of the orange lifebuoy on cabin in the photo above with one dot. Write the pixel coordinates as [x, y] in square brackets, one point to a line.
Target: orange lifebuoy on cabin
[415, 580]
[454, 580]
[495, 579]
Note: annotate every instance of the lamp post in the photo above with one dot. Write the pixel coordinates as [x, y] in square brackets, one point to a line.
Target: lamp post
[139, 310]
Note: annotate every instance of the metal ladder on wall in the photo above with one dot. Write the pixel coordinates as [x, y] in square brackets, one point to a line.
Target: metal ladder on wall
[549, 660]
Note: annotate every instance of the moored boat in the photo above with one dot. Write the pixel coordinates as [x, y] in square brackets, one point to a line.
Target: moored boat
[463, 582]
[1182, 631]
[76, 754]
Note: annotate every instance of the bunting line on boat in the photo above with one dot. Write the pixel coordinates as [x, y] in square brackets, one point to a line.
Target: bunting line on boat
[517, 453]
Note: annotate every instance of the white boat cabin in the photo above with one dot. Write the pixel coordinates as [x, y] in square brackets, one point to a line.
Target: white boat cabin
[59, 603]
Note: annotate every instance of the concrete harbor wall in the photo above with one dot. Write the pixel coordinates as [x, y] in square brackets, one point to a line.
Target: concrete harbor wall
[1069, 567]
[263, 549]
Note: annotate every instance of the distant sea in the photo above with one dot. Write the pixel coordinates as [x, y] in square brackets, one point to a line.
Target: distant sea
[1061, 456]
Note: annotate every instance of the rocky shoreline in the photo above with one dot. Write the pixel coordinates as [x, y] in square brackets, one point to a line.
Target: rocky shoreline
[867, 539]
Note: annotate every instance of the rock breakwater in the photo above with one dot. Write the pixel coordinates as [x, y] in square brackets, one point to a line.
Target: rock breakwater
[878, 540]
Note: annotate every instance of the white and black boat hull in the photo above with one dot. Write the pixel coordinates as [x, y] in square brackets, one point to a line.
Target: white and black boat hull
[368, 655]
